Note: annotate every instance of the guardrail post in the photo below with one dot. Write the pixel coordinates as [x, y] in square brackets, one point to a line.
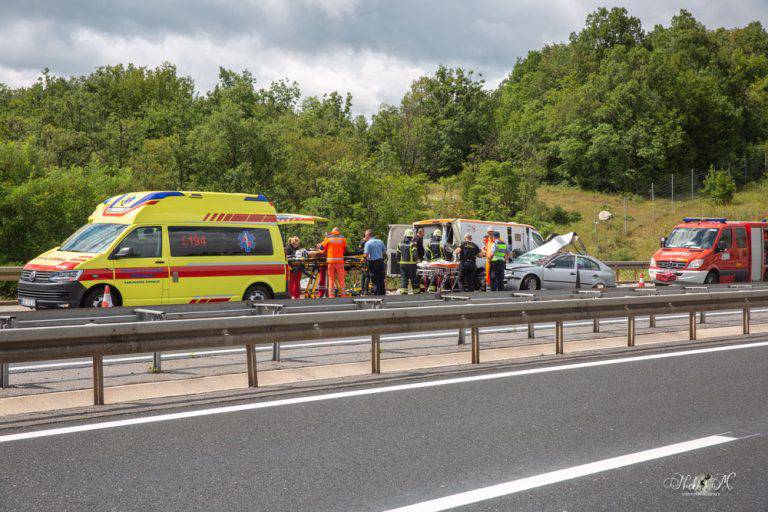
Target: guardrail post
[462, 336]
[6, 322]
[250, 356]
[143, 315]
[595, 325]
[745, 320]
[98, 380]
[475, 339]
[559, 348]
[375, 353]
[702, 317]
[651, 321]
[692, 325]
[4, 376]
[631, 331]
[157, 362]
[531, 332]
[271, 309]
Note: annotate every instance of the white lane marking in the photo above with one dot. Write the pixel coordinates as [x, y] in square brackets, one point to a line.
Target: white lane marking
[367, 391]
[350, 341]
[561, 475]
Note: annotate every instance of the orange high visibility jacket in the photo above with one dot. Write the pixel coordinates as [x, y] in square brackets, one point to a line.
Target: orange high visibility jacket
[334, 246]
[488, 253]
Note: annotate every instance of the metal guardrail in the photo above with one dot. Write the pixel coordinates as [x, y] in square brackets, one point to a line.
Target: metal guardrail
[10, 273]
[13, 273]
[134, 337]
[628, 265]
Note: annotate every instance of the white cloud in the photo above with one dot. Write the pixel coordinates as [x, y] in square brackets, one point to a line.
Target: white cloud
[373, 49]
[371, 77]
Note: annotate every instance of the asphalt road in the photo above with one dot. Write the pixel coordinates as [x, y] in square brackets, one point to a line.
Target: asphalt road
[598, 433]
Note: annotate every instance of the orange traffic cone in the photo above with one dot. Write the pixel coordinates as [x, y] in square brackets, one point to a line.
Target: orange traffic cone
[106, 300]
[641, 281]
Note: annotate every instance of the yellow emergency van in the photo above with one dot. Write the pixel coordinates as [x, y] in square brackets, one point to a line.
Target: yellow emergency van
[163, 248]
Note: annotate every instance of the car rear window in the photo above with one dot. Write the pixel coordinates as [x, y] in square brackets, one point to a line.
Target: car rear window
[219, 241]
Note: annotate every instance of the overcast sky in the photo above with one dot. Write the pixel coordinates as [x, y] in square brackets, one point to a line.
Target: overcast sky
[373, 49]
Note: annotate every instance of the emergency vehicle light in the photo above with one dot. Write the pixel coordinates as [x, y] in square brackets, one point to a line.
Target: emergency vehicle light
[260, 197]
[708, 219]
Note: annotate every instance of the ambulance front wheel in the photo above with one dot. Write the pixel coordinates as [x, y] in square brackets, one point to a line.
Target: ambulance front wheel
[94, 297]
[257, 292]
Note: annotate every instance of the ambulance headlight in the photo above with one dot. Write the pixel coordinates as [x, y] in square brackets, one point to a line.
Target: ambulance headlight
[696, 264]
[66, 275]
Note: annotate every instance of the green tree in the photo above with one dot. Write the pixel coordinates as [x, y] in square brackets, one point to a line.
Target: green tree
[719, 186]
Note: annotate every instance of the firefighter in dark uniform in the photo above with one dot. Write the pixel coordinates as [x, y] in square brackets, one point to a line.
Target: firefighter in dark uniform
[408, 257]
[434, 251]
[467, 253]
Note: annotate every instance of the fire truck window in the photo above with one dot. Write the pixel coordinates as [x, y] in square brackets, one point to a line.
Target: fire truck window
[741, 238]
[726, 238]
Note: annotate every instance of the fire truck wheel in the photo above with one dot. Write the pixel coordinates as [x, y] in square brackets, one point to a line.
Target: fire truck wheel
[712, 278]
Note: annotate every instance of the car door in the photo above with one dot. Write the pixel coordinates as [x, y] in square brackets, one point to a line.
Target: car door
[740, 256]
[560, 273]
[141, 273]
[589, 272]
[724, 258]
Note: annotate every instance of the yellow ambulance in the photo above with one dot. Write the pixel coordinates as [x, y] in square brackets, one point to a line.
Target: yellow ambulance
[163, 248]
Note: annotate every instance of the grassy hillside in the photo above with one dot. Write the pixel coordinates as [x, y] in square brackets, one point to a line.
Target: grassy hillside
[646, 220]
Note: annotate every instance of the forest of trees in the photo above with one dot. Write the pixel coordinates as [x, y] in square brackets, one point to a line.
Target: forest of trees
[611, 109]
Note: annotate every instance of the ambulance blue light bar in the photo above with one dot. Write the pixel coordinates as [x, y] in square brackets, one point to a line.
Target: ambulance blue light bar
[260, 197]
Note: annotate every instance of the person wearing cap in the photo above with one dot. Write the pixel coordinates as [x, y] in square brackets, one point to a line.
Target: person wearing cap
[408, 257]
[487, 253]
[334, 246]
[375, 251]
[467, 253]
[499, 258]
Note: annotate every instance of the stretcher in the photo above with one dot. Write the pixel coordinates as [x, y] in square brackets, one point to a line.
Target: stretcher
[314, 269]
[439, 275]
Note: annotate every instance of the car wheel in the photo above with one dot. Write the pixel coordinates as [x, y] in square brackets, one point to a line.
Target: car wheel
[95, 296]
[257, 292]
[530, 283]
[599, 286]
[712, 278]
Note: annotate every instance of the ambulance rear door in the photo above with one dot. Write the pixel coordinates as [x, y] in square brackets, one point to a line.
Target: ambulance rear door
[394, 237]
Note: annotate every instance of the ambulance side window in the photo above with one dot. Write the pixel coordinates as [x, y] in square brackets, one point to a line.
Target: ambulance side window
[219, 241]
[143, 242]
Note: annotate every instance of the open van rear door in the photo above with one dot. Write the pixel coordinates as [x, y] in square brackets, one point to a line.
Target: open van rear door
[394, 237]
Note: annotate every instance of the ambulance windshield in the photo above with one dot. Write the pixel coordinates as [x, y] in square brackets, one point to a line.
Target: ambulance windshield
[92, 238]
[691, 238]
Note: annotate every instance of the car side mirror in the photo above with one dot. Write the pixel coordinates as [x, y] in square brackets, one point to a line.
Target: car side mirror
[721, 246]
[663, 242]
[123, 252]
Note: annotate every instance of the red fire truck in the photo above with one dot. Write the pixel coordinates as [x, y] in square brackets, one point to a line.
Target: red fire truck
[708, 251]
